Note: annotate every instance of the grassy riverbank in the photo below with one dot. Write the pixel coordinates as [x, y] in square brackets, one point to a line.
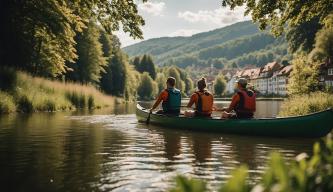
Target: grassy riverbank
[305, 104]
[24, 93]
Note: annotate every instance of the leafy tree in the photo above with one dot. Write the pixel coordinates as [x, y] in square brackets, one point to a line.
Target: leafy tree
[132, 83]
[173, 72]
[302, 36]
[278, 13]
[90, 63]
[107, 44]
[137, 63]
[323, 48]
[188, 85]
[147, 65]
[120, 78]
[303, 18]
[182, 73]
[219, 85]
[38, 36]
[148, 88]
[234, 65]
[161, 81]
[114, 80]
[304, 77]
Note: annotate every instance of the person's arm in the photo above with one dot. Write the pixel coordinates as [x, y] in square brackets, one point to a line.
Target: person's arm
[192, 101]
[234, 102]
[158, 101]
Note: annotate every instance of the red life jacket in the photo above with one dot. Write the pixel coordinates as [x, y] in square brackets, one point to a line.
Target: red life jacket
[205, 103]
[247, 103]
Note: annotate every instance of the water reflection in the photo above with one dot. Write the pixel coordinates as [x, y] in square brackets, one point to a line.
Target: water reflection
[107, 150]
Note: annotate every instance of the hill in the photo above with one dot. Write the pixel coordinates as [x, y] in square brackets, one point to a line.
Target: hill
[235, 45]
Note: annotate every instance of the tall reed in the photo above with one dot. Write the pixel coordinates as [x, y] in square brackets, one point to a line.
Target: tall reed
[27, 94]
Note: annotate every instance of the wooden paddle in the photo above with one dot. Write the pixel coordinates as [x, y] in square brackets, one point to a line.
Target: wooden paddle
[148, 118]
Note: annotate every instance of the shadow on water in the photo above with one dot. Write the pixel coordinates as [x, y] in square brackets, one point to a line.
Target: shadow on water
[108, 150]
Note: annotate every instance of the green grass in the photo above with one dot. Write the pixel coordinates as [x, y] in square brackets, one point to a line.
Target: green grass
[29, 94]
[307, 103]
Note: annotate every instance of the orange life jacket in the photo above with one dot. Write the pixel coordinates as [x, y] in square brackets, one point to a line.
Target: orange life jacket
[247, 103]
[205, 103]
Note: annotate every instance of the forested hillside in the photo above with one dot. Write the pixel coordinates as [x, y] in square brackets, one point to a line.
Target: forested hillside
[235, 45]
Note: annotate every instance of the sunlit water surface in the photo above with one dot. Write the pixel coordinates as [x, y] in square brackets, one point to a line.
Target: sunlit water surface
[108, 150]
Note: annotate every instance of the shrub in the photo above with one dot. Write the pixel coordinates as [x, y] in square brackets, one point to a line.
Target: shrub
[147, 88]
[306, 103]
[6, 103]
[78, 100]
[24, 104]
[189, 185]
[49, 106]
[91, 102]
[304, 77]
[219, 85]
[82, 101]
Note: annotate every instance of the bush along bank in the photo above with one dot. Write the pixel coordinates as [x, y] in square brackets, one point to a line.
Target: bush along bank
[301, 174]
[24, 93]
[306, 103]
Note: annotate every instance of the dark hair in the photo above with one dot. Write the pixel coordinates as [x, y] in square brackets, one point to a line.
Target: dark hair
[171, 81]
[243, 85]
[201, 84]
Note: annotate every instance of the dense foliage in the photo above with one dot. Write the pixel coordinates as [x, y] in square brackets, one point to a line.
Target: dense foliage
[304, 77]
[39, 36]
[71, 41]
[145, 64]
[302, 174]
[306, 103]
[91, 61]
[303, 19]
[220, 85]
[148, 88]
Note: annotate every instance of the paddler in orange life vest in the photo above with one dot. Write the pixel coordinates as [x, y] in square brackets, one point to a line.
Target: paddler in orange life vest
[202, 99]
[243, 102]
[170, 98]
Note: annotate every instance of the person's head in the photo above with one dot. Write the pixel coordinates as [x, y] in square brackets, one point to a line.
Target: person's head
[171, 82]
[202, 84]
[241, 83]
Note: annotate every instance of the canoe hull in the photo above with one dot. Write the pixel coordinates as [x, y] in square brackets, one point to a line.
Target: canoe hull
[313, 125]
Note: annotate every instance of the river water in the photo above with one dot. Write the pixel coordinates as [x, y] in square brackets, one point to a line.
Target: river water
[108, 150]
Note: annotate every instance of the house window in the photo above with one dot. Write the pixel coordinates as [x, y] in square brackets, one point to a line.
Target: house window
[330, 71]
[329, 83]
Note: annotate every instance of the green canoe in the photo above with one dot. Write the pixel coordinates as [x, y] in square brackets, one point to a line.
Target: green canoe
[313, 125]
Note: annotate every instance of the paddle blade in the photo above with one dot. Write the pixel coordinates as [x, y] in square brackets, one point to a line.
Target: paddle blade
[148, 118]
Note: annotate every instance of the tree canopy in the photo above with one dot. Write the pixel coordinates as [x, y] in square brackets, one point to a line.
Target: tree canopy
[39, 36]
[279, 13]
[301, 20]
[91, 61]
[220, 85]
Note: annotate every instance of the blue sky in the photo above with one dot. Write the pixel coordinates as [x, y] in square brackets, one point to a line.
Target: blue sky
[182, 18]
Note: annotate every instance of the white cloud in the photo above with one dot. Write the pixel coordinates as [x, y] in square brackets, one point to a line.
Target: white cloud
[220, 16]
[125, 38]
[184, 32]
[152, 8]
